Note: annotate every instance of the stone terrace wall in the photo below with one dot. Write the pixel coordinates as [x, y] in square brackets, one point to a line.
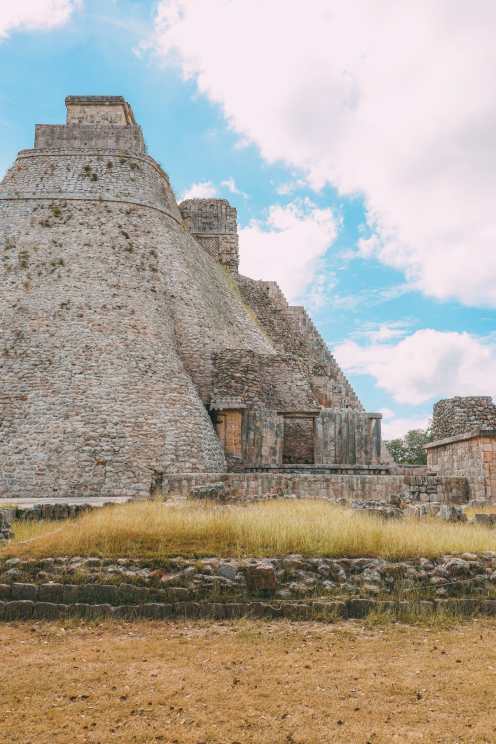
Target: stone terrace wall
[107, 175]
[454, 416]
[336, 488]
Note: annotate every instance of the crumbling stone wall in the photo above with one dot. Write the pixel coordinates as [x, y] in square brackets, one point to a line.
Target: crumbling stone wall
[454, 416]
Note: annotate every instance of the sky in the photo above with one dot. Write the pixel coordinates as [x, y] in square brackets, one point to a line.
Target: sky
[357, 141]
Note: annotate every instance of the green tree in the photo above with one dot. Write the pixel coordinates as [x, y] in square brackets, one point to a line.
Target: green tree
[409, 450]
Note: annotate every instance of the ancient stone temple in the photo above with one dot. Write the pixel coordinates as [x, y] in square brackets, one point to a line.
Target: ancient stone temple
[131, 348]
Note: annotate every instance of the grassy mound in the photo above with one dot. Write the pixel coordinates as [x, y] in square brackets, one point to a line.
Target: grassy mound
[157, 530]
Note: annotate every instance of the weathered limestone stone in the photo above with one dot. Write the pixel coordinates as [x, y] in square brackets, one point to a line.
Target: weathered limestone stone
[261, 577]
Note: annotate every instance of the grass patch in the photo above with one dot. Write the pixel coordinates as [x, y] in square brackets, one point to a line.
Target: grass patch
[157, 530]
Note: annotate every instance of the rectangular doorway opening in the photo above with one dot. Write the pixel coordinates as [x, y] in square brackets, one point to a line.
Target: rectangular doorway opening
[299, 438]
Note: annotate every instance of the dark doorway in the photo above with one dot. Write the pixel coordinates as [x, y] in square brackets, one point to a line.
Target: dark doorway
[298, 448]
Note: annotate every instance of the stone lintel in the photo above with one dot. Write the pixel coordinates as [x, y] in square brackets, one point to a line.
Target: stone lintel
[312, 413]
[491, 433]
[227, 405]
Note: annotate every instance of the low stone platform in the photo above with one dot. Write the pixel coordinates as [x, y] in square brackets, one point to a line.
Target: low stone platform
[332, 486]
[27, 503]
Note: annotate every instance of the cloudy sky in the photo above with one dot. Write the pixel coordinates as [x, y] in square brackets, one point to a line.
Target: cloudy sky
[357, 140]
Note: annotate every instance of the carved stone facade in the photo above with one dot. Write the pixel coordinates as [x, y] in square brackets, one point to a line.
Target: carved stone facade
[130, 347]
[213, 222]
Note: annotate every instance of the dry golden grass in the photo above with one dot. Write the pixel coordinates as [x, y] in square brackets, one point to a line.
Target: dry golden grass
[157, 530]
[247, 683]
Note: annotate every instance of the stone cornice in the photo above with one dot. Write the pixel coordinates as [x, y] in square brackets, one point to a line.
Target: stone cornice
[60, 196]
[491, 433]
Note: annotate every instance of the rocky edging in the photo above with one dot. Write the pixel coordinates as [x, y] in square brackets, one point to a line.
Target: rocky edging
[290, 578]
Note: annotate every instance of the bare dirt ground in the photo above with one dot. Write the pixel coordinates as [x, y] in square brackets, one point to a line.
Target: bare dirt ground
[244, 682]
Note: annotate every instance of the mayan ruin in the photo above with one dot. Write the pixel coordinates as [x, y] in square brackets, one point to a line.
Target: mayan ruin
[247, 352]
[136, 358]
[134, 349]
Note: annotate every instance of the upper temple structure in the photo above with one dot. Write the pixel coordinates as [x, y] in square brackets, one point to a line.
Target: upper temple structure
[131, 347]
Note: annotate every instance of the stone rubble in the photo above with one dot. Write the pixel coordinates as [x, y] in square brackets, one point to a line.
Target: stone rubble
[291, 577]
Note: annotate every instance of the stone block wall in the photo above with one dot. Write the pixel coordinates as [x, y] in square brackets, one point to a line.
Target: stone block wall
[329, 383]
[276, 381]
[454, 416]
[464, 434]
[471, 456]
[343, 488]
[98, 110]
[90, 174]
[124, 139]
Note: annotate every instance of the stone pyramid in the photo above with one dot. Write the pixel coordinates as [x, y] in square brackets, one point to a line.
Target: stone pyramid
[130, 347]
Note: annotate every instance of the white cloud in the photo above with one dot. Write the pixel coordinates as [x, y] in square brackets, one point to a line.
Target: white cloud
[425, 365]
[200, 190]
[289, 186]
[397, 426]
[390, 99]
[381, 332]
[230, 185]
[288, 246]
[29, 15]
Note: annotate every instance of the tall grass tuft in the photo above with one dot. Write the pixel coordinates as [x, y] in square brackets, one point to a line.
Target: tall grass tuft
[158, 530]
